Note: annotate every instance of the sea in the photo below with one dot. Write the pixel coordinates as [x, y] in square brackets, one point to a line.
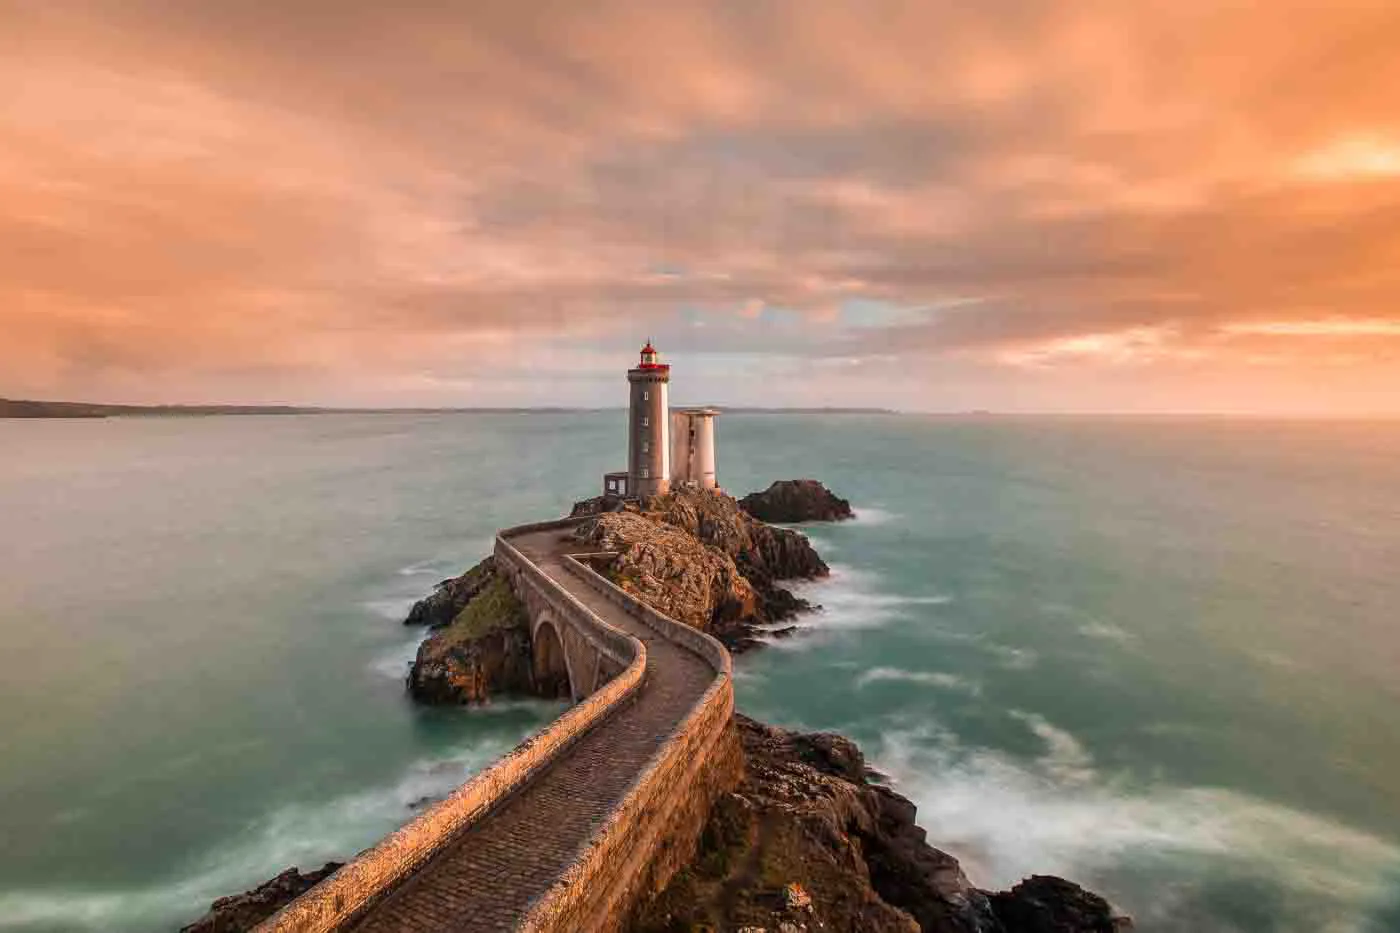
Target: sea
[1158, 656]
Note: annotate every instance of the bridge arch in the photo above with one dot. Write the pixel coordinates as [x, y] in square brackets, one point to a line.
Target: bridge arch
[551, 668]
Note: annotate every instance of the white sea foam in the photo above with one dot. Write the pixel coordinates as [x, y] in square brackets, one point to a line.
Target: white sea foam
[1013, 658]
[394, 662]
[872, 515]
[932, 678]
[392, 608]
[305, 834]
[1065, 759]
[851, 599]
[1057, 813]
[1106, 632]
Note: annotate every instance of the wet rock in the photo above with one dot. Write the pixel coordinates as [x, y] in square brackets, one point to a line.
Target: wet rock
[796, 500]
[1046, 904]
[806, 819]
[242, 912]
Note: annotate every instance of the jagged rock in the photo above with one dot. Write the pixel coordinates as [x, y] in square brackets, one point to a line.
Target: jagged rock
[597, 505]
[673, 572]
[485, 649]
[797, 500]
[241, 912]
[763, 553]
[450, 596]
[1046, 904]
[807, 819]
[696, 556]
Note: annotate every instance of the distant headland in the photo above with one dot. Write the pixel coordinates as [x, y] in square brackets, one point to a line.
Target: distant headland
[33, 408]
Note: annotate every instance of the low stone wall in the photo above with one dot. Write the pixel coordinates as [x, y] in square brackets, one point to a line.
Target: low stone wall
[656, 829]
[707, 646]
[335, 902]
[641, 844]
[606, 640]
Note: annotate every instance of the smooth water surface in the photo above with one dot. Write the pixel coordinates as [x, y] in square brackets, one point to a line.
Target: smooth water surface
[1161, 657]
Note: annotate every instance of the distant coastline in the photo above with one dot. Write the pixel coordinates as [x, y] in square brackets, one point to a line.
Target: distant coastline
[30, 408]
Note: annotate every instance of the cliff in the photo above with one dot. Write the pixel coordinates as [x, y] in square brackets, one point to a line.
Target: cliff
[807, 842]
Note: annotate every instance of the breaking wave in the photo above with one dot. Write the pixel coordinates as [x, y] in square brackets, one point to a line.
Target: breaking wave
[933, 678]
[852, 598]
[871, 515]
[1167, 855]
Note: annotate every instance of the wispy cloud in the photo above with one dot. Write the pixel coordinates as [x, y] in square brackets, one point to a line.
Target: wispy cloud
[1025, 205]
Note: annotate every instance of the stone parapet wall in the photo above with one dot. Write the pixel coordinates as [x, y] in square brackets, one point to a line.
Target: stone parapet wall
[707, 646]
[603, 638]
[650, 835]
[338, 900]
[656, 829]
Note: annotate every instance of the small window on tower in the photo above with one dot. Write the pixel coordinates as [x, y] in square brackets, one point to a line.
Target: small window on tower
[646, 473]
[646, 422]
[646, 395]
[646, 446]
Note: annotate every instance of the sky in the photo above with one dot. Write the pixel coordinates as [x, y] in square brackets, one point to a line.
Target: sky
[1155, 206]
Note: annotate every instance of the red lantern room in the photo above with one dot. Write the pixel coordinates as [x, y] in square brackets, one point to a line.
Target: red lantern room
[650, 357]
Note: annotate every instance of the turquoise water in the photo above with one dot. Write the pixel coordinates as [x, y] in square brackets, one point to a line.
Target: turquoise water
[1160, 657]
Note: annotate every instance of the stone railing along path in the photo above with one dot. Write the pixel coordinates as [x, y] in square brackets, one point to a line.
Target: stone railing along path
[573, 827]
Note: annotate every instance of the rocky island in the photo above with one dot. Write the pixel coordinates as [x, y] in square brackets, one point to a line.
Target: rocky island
[790, 501]
[694, 555]
[810, 839]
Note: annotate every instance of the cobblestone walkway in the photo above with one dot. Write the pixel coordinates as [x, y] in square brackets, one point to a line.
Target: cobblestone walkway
[484, 880]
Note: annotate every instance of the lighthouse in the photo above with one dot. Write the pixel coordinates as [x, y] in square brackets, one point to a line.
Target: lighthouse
[649, 426]
[665, 449]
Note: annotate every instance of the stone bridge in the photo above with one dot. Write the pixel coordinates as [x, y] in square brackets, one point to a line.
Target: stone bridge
[586, 818]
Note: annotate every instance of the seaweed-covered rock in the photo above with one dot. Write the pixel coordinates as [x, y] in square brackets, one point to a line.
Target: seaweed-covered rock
[484, 649]
[449, 597]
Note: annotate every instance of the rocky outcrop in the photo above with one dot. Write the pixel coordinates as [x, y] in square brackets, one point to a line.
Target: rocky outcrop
[673, 572]
[763, 553]
[598, 505]
[241, 912]
[807, 842]
[696, 556]
[450, 597]
[485, 647]
[796, 500]
[1046, 904]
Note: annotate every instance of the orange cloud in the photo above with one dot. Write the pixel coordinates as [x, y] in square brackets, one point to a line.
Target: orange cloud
[341, 201]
